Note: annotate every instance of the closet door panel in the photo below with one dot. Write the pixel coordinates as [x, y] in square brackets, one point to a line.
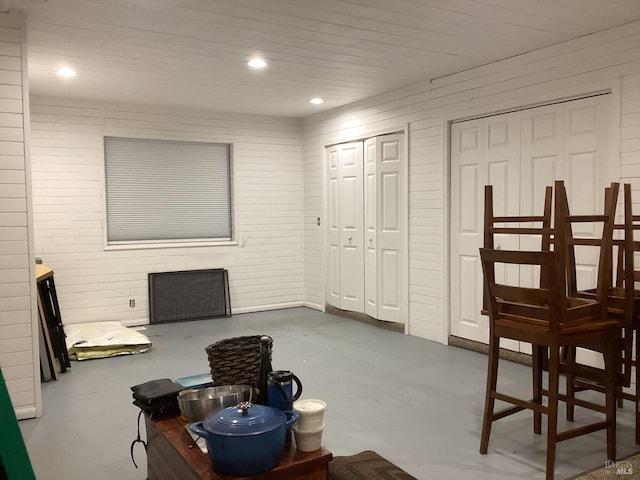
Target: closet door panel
[334, 276]
[467, 178]
[582, 156]
[390, 293]
[333, 233]
[390, 254]
[371, 229]
[541, 165]
[483, 151]
[350, 159]
[502, 150]
[392, 229]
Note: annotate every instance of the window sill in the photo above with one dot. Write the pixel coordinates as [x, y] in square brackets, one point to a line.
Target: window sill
[146, 246]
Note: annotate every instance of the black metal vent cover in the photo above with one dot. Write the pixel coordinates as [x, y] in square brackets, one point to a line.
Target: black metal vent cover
[188, 295]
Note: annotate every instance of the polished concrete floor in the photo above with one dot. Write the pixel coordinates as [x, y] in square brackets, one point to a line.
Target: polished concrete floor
[415, 402]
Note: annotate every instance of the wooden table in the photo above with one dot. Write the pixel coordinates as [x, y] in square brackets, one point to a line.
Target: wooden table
[173, 455]
[42, 272]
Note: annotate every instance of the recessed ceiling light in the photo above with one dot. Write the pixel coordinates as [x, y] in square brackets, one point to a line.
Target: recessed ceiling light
[66, 72]
[257, 63]
[316, 101]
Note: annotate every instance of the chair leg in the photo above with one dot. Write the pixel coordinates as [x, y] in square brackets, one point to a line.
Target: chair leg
[636, 396]
[612, 365]
[620, 386]
[570, 357]
[489, 402]
[552, 415]
[620, 396]
[538, 354]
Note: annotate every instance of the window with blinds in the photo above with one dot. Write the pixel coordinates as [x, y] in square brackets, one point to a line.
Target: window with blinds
[161, 191]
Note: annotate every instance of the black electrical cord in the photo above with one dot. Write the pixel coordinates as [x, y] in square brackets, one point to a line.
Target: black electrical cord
[138, 440]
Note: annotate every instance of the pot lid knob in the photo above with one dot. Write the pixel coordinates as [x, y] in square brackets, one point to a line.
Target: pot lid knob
[243, 407]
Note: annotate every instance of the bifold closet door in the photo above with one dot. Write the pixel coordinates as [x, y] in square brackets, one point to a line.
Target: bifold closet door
[345, 280]
[483, 151]
[367, 227]
[385, 227]
[520, 153]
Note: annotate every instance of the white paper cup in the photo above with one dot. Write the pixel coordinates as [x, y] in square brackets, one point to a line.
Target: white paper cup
[309, 440]
[311, 414]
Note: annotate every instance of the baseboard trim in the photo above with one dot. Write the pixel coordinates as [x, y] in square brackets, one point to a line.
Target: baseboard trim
[364, 318]
[517, 357]
[315, 306]
[135, 322]
[23, 413]
[264, 308]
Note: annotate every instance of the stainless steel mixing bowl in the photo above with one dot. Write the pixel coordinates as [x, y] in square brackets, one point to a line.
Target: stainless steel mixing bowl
[196, 405]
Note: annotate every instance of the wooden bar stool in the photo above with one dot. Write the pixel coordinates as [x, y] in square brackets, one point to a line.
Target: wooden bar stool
[627, 274]
[550, 321]
[531, 227]
[635, 395]
[621, 299]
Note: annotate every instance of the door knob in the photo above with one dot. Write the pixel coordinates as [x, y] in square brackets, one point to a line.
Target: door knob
[349, 238]
[371, 242]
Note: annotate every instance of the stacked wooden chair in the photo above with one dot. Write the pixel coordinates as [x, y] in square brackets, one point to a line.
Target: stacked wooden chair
[627, 298]
[628, 274]
[552, 322]
[623, 304]
[619, 298]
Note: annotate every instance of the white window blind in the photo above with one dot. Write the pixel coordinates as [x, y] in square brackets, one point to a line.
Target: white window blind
[167, 191]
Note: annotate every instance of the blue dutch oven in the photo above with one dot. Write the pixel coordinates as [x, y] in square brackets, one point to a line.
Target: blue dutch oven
[247, 439]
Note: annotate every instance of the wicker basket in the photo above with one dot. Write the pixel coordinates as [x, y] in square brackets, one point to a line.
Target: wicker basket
[236, 361]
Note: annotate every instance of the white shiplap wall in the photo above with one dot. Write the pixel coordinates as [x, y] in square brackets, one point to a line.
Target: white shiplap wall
[18, 318]
[608, 60]
[94, 284]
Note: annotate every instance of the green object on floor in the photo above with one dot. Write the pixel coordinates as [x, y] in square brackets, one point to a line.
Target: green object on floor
[14, 459]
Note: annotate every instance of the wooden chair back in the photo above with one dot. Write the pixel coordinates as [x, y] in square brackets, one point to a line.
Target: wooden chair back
[565, 222]
[529, 225]
[514, 222]
[526, 308]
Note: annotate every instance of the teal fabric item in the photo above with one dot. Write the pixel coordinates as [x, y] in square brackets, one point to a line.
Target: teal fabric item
[14, 459]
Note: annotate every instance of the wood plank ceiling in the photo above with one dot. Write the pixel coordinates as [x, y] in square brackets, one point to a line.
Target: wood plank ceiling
[193, 53]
